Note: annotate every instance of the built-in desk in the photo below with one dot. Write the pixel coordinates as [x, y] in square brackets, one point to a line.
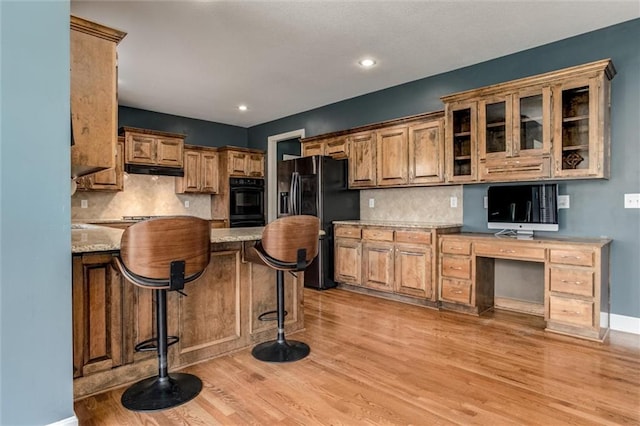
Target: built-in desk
[576, 278]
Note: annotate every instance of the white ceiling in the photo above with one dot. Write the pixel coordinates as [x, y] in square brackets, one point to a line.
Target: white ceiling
[202, 59]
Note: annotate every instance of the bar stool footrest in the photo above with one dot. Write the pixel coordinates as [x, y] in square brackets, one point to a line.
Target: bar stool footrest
[152, 344]
[270, 315]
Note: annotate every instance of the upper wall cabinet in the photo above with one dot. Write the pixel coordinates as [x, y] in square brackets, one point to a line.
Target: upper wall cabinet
[549, 126]
[94, 105]
[200, 171]
[106, 180]
[240, 162]
[153, 148]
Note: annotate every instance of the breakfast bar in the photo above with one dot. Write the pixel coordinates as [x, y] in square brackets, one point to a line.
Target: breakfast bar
[218, 313]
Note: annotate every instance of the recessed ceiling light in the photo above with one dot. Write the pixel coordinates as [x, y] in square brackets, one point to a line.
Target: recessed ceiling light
[242, 107]
[367, 62]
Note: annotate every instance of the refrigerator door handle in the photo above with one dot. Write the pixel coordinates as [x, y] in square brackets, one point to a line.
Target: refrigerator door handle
[293, 198]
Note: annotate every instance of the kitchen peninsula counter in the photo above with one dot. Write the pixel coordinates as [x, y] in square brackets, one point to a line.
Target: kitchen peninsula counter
[218, 315]
[398, 224]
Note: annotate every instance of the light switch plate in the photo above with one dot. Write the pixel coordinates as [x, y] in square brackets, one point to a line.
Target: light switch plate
[564, 202]
[372, 203]
[632, 201]
[453, 202]
[84, 204]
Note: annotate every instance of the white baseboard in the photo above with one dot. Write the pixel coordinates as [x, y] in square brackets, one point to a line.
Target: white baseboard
[625, 323]
[69, 421]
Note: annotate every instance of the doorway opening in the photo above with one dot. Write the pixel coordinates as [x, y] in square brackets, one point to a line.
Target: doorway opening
[277, 146]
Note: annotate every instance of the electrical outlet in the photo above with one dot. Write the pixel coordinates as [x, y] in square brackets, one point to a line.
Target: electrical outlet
[453, 201]
[564, 202]
[186, 204]
[84, 204]
[632, 201]
[486, 202]
[372, 203]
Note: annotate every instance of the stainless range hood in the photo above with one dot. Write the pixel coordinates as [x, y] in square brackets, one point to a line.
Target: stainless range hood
[153, 170]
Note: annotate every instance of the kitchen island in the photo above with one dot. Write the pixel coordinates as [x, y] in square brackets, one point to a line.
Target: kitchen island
[218, 315]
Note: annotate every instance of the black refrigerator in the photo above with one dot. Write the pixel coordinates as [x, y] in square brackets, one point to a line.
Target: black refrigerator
[318, 186]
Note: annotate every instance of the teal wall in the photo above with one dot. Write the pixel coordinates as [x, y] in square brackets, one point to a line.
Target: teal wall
[35, 261]
[596, 205]
[199, 132]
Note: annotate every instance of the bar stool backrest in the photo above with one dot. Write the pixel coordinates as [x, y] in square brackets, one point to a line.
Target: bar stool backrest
[147, 248]
[282, 238]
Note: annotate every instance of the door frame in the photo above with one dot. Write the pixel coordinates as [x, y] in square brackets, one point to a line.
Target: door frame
[272, 167]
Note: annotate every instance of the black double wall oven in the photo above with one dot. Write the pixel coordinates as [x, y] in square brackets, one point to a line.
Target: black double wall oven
[246, 202]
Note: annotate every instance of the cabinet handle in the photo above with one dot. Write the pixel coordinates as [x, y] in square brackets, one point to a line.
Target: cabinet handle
[572, 282]
[457, 268]
[507, 251]
[571, 312]
[457, 292]
[571, 257]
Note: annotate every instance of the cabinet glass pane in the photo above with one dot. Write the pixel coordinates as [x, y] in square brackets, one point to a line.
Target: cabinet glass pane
[462, 142]
[531, 122]
[575, 128]
[496, 127]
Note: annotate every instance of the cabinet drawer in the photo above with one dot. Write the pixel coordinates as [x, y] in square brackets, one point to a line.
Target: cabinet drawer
[571, 311]
[572, 281]
[377, 234]
[336, 148]
[456, 267]
[512, 168]
[418, 237]
[456, 291]
[456, 247]
[509, 251]
[348, 232]
[572, 257]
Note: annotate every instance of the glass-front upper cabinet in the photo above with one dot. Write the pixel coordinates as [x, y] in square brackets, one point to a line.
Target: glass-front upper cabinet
[578, 111]
[461, 150]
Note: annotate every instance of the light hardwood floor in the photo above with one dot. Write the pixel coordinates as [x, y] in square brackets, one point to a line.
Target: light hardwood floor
[375, 361]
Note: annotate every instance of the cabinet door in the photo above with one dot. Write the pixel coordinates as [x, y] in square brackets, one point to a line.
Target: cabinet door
[209, 172]
[426, 152]
[94, 106]
[378, 260]
[97, 315]
[169, 152]
[460, 144]
[578, 140]
[532, 122]
[347, 261]
[312, 148]
[495, 127]
[255, 165]
[140, 149]
[106, 180]
[362, 160]
[337, 147]
[237, 163]
[191, 180]
[392, 156]
[413, 270]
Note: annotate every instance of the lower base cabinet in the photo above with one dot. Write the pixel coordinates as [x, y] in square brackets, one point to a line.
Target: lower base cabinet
[219, 314]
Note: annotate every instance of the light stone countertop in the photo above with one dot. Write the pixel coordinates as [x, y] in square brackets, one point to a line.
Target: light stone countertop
[398, 224]
[94, 238]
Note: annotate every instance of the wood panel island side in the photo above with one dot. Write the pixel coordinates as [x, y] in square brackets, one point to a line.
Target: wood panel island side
[218, 315]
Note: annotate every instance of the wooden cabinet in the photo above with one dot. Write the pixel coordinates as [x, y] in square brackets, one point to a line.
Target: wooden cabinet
[97, 315]
[313, 148]
[362, 160]
[461, 141]
[241, 162]
[392, 152]
[200, 171]
[576, 296]
[153, 148]
[94, 105]
[107, 180]
[335, 147]
[426, 152]
[348, 254]
[505, 132]
[413, 270]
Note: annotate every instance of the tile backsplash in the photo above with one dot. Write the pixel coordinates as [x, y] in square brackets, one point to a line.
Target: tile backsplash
[421, 204]
[143, 195]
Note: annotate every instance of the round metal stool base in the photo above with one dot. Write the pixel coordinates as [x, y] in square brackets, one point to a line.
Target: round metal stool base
[286, 351]
[155, 393]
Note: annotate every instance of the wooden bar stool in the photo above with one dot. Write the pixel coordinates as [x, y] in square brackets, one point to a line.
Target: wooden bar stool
[163, 254]
[288, 244]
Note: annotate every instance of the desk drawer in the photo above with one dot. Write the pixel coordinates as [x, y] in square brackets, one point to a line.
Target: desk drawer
[572, 281]
[456, 247]
[509, 251]
[377, 234]
[456, 291]
[572, 257]
[571, 311]
[456, 267]
[417, 237]
[348, 232]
